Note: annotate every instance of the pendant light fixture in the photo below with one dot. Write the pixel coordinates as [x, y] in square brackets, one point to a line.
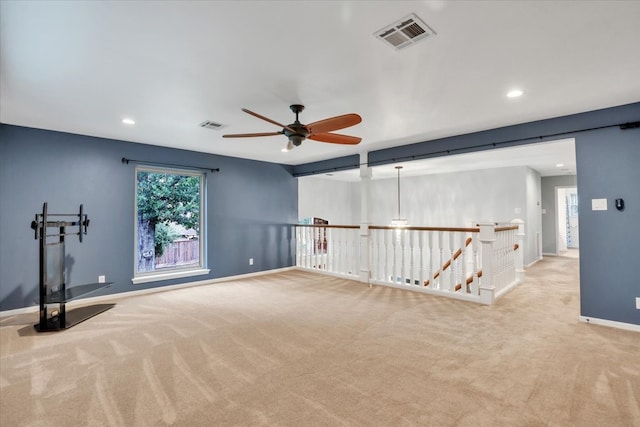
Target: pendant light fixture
[399, 221]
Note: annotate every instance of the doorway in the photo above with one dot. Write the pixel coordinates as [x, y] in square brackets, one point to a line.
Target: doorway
[567, 230]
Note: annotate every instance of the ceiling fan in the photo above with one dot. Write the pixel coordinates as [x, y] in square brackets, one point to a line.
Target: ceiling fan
[320, 131]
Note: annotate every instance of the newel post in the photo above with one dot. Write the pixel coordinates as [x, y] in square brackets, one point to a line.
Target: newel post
[487, 239]
[519, 259]
[365, 243]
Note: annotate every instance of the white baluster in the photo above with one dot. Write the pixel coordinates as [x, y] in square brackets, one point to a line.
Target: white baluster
[390, 254]
[403, 245]
[431, 258]
[406, 253]
[298, 248]
[305, 243]
[412, 255]
[316, 239]
[373, 256]
[459, 262]
[327, 256]
[421, 277]
[395, 243]
[351, 269]
[438, 266]
[340, 254]
[381, 258]
[451, 277]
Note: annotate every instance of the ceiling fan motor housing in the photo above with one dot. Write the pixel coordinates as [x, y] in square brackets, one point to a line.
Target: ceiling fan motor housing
[299, 135]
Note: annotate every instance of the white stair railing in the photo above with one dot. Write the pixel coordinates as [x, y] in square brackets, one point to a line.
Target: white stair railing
[475, 264]
[332, 249]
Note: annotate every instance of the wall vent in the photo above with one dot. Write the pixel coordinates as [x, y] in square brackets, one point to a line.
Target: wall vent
[211, 125]
[405, 32]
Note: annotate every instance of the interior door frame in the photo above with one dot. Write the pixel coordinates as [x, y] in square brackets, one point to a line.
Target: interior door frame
[557, 189]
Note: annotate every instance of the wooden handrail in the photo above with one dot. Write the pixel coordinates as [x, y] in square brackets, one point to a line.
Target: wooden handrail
[448, 263]
[507, 228]
[326, 226]
[459, 229]
[391, 227]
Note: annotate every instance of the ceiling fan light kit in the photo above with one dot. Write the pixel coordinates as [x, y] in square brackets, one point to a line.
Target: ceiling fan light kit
[296, 132]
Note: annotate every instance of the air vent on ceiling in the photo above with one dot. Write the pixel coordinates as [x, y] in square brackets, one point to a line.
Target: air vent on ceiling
[211, 125]
[405, 32]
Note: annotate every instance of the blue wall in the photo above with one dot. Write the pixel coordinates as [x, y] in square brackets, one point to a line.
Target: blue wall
[250, 208]
[609, 168]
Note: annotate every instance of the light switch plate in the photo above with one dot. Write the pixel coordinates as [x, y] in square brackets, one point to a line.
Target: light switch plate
[598, 204]
[638, 303]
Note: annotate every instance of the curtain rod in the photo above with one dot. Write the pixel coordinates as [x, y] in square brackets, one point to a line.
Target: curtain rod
[127, 161]
[473, 148]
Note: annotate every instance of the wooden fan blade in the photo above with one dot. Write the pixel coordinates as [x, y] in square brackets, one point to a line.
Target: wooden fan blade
[335, 138]
[250, 135]
[266, 119]
[334, 123]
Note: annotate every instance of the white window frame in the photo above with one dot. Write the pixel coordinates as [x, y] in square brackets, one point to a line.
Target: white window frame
[178, 272]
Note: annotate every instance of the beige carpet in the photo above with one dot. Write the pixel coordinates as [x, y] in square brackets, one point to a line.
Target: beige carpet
[298, 349]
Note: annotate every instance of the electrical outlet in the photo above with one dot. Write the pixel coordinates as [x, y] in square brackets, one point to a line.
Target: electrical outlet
[638, 303]
[250, 261]
[102, 279]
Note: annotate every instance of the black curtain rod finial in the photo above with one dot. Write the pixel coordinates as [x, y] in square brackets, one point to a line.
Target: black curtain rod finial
[630, 125]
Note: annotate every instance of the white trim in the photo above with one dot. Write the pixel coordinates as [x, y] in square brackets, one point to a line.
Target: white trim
[534, 262]
[146, 278]
[610, 323]
[169, 275]
[110, 297]
[502, 292]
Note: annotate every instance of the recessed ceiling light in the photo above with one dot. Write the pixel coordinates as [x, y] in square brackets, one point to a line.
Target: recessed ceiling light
[559, 165]
[128, 121]
[514, 93]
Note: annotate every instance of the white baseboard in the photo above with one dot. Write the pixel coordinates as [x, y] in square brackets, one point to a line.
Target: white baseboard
[110, 297]
[535, 261]
[610, 323]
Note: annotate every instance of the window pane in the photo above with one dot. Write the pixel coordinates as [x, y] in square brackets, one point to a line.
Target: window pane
[168, 220]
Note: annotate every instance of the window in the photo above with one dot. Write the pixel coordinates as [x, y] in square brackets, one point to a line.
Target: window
[169, 218]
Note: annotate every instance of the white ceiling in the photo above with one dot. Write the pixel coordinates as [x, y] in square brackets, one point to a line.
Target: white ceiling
[81, 67]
